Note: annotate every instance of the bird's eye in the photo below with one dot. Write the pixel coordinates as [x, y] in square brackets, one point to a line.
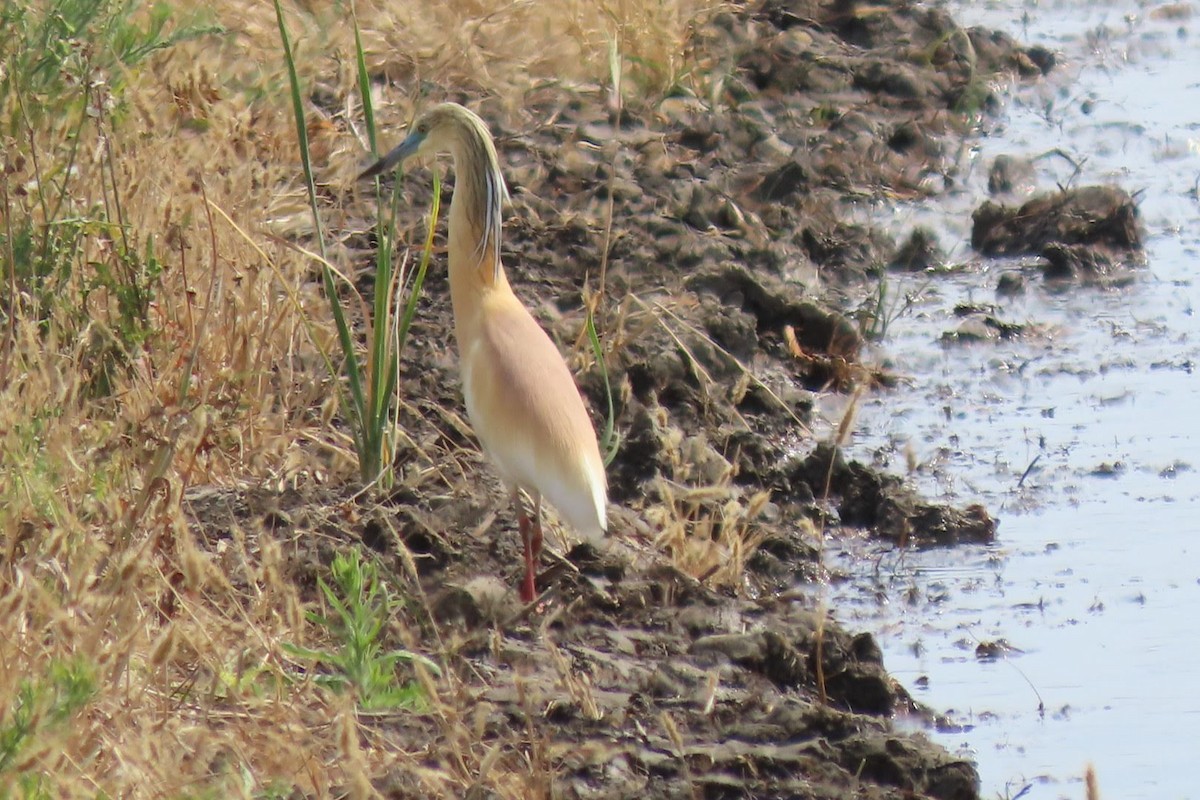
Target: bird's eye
[422, 127]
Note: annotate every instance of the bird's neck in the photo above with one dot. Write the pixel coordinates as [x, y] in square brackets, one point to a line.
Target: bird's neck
[475, 270]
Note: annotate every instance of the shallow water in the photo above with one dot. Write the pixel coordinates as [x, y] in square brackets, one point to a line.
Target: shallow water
[1095, 576]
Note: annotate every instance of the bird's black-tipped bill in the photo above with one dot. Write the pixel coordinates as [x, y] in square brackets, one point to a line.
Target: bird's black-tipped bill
[397, 155]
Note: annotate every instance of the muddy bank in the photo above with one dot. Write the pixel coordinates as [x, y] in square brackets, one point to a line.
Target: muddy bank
[682, 661]
[628, 680]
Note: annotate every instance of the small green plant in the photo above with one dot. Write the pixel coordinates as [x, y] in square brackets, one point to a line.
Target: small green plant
[46, 45]
[275, 790]
[361, 605]
[63, 234]
[43, 707]
[371, 384]
[881, 308]
[873, 318]
[248, 675]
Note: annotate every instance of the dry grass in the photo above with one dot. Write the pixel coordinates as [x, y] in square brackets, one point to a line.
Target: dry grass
[173, 650]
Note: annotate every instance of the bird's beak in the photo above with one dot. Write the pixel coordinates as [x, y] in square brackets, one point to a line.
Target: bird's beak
[405, 149]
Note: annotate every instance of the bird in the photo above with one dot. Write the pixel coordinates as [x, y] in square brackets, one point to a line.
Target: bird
[521, 398]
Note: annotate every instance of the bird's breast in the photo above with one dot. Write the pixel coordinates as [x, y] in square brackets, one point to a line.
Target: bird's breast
[528, 414]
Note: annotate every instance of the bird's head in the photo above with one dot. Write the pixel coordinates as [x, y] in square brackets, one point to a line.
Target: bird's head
[450, 128]
[437, 130]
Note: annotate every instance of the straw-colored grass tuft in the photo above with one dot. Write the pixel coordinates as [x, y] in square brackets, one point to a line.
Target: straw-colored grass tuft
[162, 332]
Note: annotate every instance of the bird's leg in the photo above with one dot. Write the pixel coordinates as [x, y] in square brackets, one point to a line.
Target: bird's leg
[528, 590]
[536, 541]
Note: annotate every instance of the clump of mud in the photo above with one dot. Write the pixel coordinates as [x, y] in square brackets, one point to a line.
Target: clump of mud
[688, 661]
[1090, 233]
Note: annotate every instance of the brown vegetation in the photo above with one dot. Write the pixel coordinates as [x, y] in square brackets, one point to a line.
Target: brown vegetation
[176, 479]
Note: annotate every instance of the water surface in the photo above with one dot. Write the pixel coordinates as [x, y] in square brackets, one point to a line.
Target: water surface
[1081, 437]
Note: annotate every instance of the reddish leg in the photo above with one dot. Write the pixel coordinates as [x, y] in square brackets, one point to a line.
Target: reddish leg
[531, 537]
[528, 592]
[536, 541]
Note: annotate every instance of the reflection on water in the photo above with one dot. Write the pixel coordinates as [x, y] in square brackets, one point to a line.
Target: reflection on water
[1081, 437]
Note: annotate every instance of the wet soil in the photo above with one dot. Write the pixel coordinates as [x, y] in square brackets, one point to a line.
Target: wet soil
[686, 658]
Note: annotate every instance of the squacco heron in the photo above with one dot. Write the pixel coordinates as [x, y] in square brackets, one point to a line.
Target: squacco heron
[520, 396]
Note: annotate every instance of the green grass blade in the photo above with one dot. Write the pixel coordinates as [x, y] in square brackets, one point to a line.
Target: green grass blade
[398, 283]
[364, 83]
[380, 375]
[382, 370]
[301, 128]
[358, 403]
[414, 294]
[610, 440]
